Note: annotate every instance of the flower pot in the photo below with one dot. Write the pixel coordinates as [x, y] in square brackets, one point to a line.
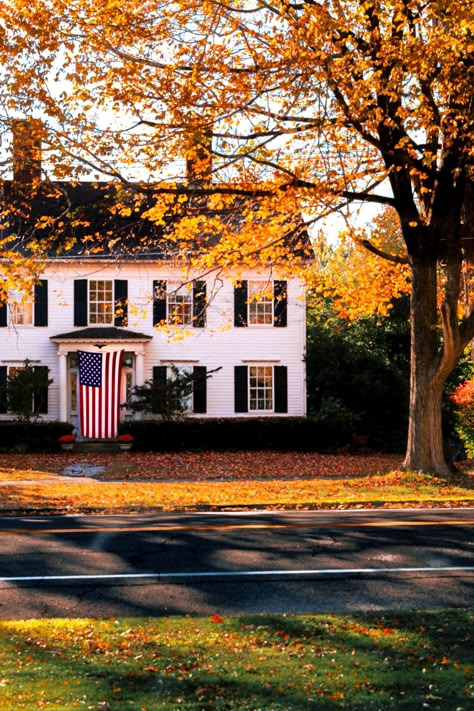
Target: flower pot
[67, 446]
[125, 446]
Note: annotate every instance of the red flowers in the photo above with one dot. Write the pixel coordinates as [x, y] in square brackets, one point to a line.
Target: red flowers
[125, 438]
[66, 439]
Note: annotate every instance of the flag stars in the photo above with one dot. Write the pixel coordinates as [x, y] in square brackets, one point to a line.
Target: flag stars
[90, 369]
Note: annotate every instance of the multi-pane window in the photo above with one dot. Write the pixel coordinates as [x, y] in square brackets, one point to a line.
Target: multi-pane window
[180, 305]
[261, 387]
[101, 301]
[21, 308]
[260, 304]
[183, 374]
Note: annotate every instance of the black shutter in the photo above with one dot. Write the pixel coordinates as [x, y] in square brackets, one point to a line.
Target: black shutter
[281, 388]
[159, 380]
[240, 303]
[3, 388]
[3, 315]
[199, 388]
[80, 302]
[120, 302]
[40, 397]
[41, 303]
[199, 304]
[241, 388]
[159, 302]
[280, 301]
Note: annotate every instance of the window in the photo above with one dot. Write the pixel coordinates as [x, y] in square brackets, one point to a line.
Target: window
[261, 388]
[179, 304]
[26, 308]
[260, 303]
[24, 390]
[180, 389]
[101, 302]
[21, 308]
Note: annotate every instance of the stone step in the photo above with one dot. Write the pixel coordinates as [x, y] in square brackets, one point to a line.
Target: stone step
[99, 445]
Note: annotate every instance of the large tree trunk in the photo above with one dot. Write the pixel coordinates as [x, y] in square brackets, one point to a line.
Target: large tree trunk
[425, 450]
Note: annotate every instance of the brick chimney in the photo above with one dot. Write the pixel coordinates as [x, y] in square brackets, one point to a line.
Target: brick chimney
[27, 136]
[199, 159]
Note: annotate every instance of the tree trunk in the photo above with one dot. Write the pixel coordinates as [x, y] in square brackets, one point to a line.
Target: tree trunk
[425, 448]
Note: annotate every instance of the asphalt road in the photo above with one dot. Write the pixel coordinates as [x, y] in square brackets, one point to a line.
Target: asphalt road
[325, 561]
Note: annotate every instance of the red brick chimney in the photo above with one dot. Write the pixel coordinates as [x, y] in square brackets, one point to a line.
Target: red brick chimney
[27, 136]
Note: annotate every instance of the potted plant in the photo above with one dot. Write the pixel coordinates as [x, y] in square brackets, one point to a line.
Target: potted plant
[67, 442]
[125, 441]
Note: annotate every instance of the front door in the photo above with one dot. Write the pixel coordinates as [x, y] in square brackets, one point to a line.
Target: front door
[127, 382]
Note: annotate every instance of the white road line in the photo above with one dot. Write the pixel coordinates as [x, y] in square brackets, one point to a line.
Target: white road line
[160, 577]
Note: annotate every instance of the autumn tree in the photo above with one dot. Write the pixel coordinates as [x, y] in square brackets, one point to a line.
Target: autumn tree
[325, 105]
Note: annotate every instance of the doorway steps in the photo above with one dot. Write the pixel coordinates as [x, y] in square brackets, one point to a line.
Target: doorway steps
[93, 446]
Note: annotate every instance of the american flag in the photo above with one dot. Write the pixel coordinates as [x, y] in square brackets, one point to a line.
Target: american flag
[99, 393]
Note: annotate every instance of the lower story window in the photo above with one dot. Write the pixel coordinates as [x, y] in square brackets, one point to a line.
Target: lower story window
[261, 387]
[180, 388]
[24, 390]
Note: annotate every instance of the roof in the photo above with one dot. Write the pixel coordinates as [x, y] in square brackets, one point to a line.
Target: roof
[108, 220]
[101, 333]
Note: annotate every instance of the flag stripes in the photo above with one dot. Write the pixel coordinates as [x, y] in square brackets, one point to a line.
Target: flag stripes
[99, 393]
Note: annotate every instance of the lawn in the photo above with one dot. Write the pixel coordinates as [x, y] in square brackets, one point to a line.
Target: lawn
[200, 481]
[409, 660]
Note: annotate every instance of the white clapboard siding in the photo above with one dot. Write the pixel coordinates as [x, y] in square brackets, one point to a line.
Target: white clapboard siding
[218, 345]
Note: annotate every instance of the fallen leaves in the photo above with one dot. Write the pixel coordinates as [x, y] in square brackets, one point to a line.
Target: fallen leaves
[159, 466]
[207, 480]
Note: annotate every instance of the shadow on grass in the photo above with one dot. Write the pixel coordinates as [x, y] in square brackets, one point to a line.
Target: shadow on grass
[271, 662]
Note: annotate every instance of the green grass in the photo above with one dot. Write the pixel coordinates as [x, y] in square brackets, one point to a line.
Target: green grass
[411, 660]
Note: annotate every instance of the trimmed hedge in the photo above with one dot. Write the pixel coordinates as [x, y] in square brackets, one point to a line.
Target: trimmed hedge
[302, 434]
[37, 437]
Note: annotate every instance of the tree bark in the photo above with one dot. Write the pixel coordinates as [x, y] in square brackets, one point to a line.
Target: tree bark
[425, 446]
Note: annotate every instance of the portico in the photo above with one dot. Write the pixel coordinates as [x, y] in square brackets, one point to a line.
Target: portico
[97, 339]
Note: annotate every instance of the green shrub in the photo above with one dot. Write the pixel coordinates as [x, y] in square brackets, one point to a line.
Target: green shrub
[24, 437]
[304, 434]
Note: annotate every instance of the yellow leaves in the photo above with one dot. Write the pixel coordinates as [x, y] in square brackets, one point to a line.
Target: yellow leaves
[359, 282]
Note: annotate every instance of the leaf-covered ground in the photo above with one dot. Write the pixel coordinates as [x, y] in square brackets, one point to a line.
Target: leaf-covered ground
[146, 466]
[190, 481]
[384, 662]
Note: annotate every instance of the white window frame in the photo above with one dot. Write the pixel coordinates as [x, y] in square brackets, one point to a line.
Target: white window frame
[259, 394]
[179, 305]
[103, 312]
[260, 307]
[21, 305]
[183, 370]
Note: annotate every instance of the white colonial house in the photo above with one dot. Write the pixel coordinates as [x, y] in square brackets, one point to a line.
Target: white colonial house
[154, 310]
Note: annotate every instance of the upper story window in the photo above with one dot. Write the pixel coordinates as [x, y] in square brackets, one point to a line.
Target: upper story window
[179, 304]
[26, 308]
[101, 302]
[260, 303]
[21, 308]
